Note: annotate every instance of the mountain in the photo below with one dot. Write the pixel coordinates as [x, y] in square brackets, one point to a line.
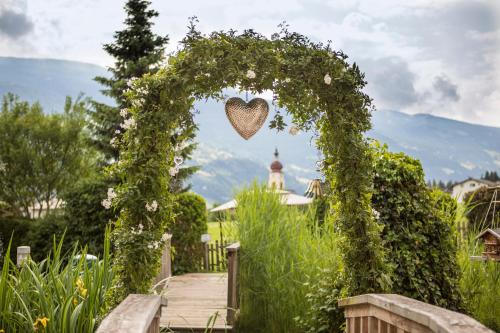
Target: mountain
[49, 81]
[448, 149]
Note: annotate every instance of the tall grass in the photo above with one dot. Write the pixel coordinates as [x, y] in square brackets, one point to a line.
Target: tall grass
[59, 294]
[480, 280]
[281, 250]
[480, 285]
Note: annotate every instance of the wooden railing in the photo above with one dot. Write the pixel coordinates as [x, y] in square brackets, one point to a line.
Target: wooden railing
[389, 313]
[136, 314]
[233, 300]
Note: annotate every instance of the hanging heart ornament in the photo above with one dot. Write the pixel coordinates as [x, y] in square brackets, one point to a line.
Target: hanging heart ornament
[247, 118]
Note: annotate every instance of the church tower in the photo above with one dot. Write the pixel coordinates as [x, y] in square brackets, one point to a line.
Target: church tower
[276, 176]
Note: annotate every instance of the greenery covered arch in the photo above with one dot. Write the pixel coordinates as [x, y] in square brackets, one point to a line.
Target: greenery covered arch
[314, 83]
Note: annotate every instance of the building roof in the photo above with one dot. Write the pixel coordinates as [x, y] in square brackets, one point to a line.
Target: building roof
[495, 232]
[483, 181]
[276, 166]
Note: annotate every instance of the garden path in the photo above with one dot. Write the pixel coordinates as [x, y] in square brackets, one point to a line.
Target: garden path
[195, 299]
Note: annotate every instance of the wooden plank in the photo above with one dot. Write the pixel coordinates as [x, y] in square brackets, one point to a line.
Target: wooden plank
[136, 314]
[193, 299]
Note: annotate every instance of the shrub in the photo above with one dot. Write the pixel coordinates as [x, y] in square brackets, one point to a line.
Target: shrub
[62, 297]
[42, 233]
[280, 265]
[190, 223]
[86, 217]
[418, 234]
[16, 228]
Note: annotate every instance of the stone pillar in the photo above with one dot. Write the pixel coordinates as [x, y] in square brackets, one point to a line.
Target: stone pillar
[23, 253]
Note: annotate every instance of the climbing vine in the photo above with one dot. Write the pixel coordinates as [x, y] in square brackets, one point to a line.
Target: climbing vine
[314, 83]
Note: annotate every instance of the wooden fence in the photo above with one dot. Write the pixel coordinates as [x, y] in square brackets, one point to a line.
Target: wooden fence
[215, 257]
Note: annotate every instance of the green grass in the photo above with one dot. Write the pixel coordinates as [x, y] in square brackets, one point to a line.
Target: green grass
[57, 294]
[216, 228]
[282, 253]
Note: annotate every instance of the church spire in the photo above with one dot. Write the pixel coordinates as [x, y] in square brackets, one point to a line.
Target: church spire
[276, 177]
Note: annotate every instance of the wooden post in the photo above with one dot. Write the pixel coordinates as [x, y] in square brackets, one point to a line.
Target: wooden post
[166, 264]
[217, 257]
[205, 258]
[23, 253]
[233, 299]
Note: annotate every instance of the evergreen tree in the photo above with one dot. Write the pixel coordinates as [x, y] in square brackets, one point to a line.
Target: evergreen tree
[137, 51]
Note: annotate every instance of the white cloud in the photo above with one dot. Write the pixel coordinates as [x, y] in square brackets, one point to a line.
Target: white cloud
[453, 39]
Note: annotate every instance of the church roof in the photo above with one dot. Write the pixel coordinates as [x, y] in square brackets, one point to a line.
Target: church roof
[276, 166]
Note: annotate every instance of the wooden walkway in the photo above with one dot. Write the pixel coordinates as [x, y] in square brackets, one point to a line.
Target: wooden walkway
[194, 300]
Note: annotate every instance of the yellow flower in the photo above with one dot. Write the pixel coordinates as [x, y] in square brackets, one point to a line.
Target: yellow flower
[81, 287]
[2, 331]
[40, 322]
[75, 302]
[79, 283]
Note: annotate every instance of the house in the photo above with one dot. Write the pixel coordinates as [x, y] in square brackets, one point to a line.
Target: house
[491, 240]
[460, 190]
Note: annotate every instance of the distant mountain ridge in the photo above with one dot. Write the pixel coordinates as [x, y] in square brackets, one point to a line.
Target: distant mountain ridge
[448, 149]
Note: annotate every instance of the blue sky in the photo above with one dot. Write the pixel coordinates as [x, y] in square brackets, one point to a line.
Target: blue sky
[422, 56]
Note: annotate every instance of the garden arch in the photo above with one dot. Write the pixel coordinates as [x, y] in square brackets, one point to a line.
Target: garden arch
[314, 83]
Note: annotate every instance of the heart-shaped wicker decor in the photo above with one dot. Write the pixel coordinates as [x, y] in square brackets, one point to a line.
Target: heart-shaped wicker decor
[247, 118]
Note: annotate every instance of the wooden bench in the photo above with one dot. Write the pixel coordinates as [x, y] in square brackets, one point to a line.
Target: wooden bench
[389, 313]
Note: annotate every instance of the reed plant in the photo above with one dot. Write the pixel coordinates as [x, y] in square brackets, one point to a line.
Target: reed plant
[480, 280]
[63, 293]
[283, 251]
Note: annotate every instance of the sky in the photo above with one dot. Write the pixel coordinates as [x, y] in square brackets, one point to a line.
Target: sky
[422, 56]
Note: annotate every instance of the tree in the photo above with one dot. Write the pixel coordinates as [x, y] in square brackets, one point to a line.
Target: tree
[137, 51]
[41, 155]
[491, 176]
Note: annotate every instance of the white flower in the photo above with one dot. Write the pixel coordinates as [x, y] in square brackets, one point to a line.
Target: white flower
[141, 226]
[3, 166]
[117, 131]
[375, 214]
[124, 113]
[328, 79]
[152, 207]
[165, 237]
[288, 80]
[173, 171]
[106, 203]
[128, 124]
[114, 142]
[251, 74]
[178, 160]
[294, 130]
[111, 193]
[130, 82]
[150, 246]
[207, 74]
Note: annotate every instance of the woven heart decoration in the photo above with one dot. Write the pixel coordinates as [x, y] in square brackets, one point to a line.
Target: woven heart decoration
[246, 118]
